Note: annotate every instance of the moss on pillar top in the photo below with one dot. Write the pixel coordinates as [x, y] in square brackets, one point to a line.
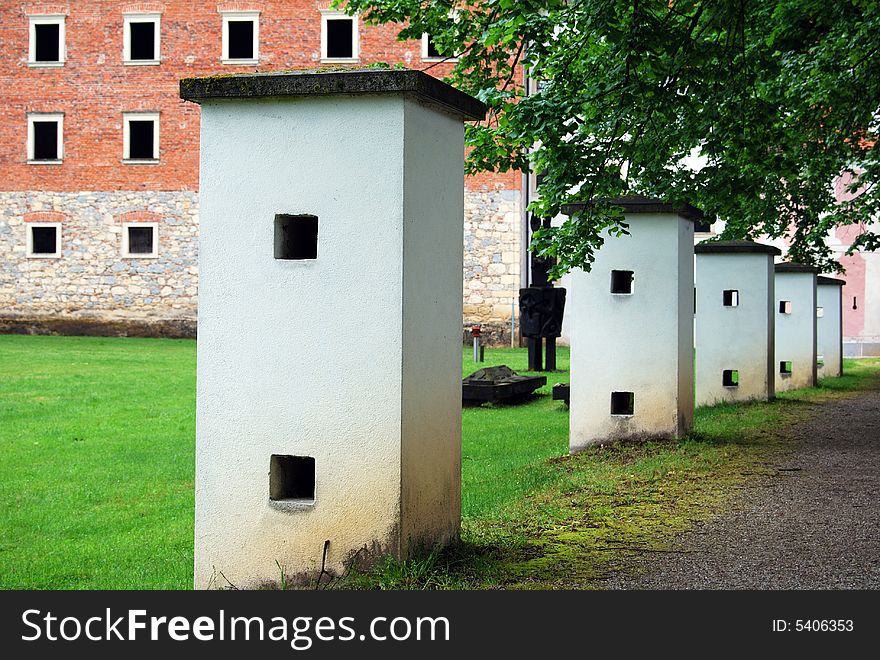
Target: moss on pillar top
[793, 267]
[638, 204]
[735, 247]
[332, 81]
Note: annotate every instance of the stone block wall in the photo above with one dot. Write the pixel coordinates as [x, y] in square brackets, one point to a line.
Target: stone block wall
[492, 245]
[90, 288]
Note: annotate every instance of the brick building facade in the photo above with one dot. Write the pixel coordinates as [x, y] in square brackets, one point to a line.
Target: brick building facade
[99, 156]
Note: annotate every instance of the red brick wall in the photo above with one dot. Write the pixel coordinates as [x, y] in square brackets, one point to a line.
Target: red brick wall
[44, 216]
[94, 88]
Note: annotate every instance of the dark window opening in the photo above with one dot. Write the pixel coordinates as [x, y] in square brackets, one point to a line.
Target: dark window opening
[45, 140]
[622, 403]
[291, 477]
[785, 307]
[432, 49]
[142, 41]
[621, 281]
[339, 38]
[855, 302]
[140, 240]
[703, 226]
[785, 367]
[296, 236]
[730, 378]
[731, 298]
[44, 240]
[140, 139]
[48, 46]
[241, 40]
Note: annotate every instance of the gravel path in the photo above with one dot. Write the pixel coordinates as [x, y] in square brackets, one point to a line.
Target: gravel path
[816, 525]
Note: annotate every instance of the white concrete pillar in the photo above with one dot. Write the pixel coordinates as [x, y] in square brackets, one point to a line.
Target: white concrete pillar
[795, 326]
[632, 359]
[330, 262]
[829, 326]
[734, 322]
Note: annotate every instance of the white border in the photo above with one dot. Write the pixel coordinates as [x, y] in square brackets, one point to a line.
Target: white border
[240, 16]
[333, 15]
[29, 240]
[44, 116]
[127, 20]
[126, 136]
[126, 254]
[46, 19]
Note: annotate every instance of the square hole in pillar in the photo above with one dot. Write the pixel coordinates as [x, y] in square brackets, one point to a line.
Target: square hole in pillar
[731, 298]
[785, 307]
[296, 236]
[785, 367]
[292, 478]
[820, 360]
[730, 378]
[820, 312]
[622, 403]
[621, 281]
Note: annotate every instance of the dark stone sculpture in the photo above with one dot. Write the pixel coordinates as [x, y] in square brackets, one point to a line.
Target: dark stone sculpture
[498, 383]
[562, 392]
[541, 309]
[540, 313]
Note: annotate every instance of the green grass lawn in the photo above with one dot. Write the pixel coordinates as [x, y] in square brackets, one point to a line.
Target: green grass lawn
[96, 474]
[96, 469]
[502, 443]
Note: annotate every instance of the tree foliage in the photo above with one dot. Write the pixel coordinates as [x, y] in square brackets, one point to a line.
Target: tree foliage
[776, 99]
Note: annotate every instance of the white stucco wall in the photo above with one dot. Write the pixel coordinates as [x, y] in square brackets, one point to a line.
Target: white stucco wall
[640, 343]
[829, 331]
[432, 309]
[870, 299]
[737, 338]
[311, 358]
[796, 332]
